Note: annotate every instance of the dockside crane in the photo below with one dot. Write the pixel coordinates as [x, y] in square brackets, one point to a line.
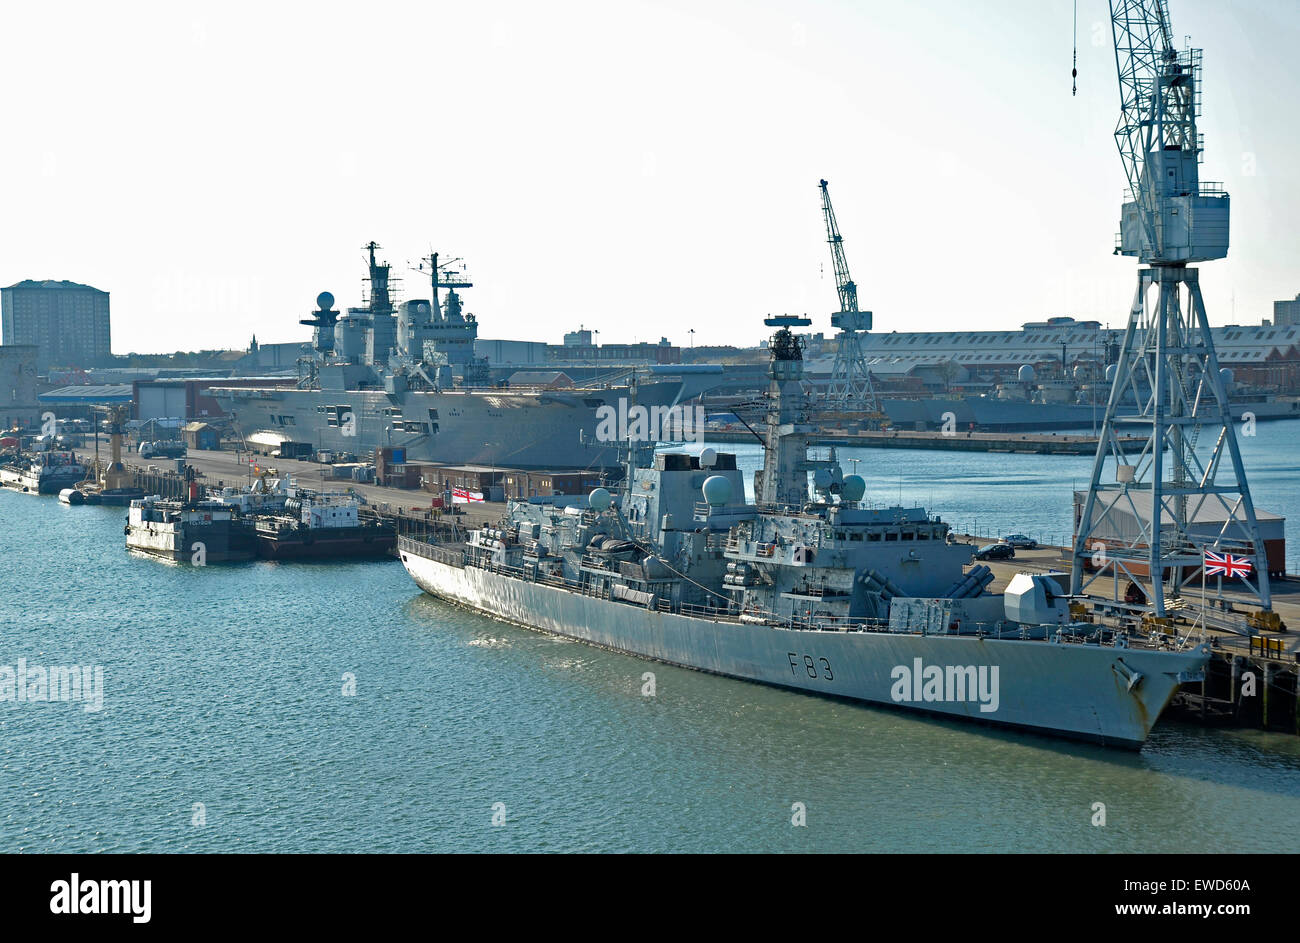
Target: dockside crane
[1149, 516]
[850, 393]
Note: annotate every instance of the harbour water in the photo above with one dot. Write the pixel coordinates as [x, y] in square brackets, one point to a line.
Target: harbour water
[225, 724]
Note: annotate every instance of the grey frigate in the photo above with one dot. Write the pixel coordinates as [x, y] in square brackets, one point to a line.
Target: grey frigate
[805, 590]
[405, 375]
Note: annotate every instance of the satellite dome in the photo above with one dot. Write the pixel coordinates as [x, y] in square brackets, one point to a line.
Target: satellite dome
[325, 301]
[599, 500]
[708, 458]
[717, 490]
[854, 487]
[822, 479]
[1110, 373]
[1226, 376]
[1026, 374]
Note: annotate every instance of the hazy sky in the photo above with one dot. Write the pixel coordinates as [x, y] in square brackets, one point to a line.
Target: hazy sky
[641, 168]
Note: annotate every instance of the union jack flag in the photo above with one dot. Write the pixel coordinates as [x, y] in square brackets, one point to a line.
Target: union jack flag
[1225, 564]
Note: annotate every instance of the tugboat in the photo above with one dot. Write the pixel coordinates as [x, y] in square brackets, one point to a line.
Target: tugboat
[198, 532]
[48, 469]
[274, 519]
[810, 591]
[321, 526]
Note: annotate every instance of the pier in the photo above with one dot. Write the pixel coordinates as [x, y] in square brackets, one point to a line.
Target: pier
[1253, 677]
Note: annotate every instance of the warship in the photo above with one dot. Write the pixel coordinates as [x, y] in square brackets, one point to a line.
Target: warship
[811, 591]
[406, 376]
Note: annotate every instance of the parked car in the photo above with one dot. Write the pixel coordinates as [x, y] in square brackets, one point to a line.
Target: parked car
[995, 552]
[1020, 541]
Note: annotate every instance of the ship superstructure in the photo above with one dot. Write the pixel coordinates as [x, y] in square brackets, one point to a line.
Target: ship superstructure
[803, 588]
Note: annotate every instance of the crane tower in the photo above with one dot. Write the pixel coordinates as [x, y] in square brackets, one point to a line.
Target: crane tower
[1150, 512]
[850, 390]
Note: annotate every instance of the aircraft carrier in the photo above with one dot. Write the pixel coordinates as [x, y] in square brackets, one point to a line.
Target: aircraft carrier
[812, 592]
[406, 376]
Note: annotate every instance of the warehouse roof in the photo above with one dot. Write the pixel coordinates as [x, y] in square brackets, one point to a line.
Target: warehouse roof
[51, 283]
[85, 395]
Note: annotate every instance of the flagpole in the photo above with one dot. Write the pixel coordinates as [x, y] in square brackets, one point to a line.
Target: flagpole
[1202, 594]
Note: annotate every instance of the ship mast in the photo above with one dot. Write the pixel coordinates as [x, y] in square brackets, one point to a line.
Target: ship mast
[442, 275]
[783, 482]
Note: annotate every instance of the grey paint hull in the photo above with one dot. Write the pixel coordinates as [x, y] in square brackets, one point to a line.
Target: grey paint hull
[994, 415]
[1071, 690]
[501, 428]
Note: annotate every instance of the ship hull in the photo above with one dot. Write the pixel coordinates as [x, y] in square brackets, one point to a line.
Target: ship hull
[221, 542]
[47, 483]
[1076, 691]
[988, 414]
[326, 544]
[552, 430]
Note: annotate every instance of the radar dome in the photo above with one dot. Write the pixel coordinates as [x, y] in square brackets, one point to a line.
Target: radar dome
[325, 301]
[822, 479]
[717, 490]
[708, 458]
[1226, 376]
[599, 500]
[1026, 374]
[854, 487]
[1110, 373]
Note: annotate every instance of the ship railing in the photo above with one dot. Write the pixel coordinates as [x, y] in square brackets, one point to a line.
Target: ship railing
[590, 562]
[451, 555]
[829, 623]
[707, 612]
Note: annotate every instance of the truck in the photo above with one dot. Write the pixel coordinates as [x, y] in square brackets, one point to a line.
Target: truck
[154, 448]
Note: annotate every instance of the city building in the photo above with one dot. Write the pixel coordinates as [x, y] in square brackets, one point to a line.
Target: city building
[1287, 313]
[18, 405]
[68, 323]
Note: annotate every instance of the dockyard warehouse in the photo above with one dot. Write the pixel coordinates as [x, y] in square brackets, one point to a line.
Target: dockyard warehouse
[1125, 524]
